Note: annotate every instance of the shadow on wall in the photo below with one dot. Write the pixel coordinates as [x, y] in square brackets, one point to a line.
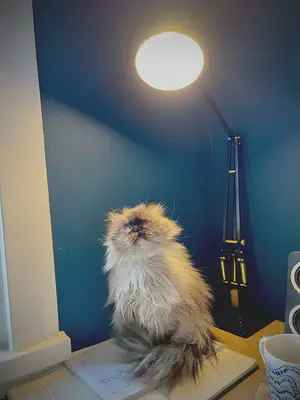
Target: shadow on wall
[92, 168]
[255, 284]
[273, 176]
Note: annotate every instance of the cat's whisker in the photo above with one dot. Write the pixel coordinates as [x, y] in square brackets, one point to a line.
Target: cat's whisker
[173, 211]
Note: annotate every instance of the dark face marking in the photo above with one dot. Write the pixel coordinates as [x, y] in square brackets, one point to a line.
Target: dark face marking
[137, 224]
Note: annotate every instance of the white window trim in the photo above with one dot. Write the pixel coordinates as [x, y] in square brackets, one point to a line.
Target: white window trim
[6, 336]
[34, 340]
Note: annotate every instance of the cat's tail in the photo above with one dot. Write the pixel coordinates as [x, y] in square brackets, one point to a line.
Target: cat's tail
[165, 362]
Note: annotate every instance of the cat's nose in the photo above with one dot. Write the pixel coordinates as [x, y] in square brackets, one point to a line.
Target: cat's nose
[136, 227]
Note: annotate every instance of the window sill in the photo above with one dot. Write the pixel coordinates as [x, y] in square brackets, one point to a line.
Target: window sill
[17, 365]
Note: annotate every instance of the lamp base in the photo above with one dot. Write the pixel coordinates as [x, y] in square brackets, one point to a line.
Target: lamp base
[239, 313]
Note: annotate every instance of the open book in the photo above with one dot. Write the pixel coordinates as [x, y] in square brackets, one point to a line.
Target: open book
[97, 373]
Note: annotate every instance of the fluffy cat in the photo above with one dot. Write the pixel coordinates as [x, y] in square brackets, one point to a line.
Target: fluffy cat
[161, 303]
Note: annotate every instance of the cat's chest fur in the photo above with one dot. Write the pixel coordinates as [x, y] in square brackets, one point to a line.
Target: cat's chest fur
[142, 289]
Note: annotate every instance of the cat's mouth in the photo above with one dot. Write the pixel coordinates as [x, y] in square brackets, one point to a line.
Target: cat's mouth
[138, 236]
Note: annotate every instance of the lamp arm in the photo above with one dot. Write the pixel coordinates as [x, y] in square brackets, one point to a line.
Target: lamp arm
[216, 110]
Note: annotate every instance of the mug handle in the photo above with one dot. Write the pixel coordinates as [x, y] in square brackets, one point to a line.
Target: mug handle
[262, 347]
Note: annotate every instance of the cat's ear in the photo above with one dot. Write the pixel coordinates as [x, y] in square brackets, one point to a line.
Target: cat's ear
[112, 214]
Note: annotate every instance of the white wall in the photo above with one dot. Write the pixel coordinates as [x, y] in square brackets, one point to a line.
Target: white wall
[23, 183]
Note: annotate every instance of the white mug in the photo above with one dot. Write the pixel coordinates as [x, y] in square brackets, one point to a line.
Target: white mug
[281, 355]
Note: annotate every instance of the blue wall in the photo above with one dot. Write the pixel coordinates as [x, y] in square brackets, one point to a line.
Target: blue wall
[90, 169]
[259, 93]
[105, 149]
[112, 141]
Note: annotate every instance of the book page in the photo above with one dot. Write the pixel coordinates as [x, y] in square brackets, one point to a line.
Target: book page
[59, 384]
[216, 377]
[52, 391]
[101, 369]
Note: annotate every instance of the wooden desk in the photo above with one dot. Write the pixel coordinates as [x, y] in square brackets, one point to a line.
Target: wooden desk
[249, 347]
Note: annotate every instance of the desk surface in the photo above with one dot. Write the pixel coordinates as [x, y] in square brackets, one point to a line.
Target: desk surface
[249, 347]
[245, 390]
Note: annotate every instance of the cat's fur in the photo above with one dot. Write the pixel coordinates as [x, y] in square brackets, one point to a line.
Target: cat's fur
[161, 303]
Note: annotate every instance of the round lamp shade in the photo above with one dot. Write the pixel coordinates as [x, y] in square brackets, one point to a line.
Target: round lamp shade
[169, 61]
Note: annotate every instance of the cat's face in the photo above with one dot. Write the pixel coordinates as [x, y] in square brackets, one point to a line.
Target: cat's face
[141, 228]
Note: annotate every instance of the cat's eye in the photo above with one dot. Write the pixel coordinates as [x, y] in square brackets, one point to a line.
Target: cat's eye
[127, 228]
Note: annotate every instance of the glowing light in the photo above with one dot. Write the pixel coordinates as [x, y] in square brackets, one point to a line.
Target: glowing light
[169, 61]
